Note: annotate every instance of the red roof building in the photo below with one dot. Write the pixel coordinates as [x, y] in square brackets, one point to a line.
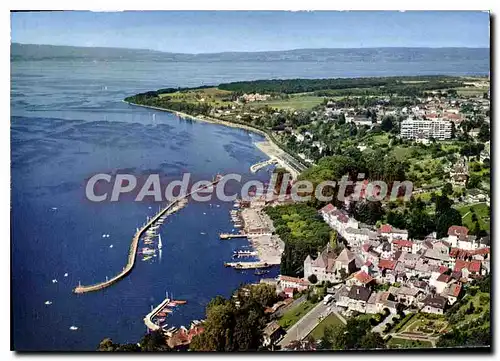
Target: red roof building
[328, 208]
[458, 231]
[385, 228]
[387, 264]
[363, 277]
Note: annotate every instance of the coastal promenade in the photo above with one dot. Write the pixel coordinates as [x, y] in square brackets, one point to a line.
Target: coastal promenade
[269, 147]
[174, 206]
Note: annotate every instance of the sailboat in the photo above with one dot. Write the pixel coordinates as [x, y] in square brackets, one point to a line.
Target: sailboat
[159, 242]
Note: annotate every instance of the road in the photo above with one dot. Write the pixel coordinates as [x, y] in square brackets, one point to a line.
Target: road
[380, 327]
[306, 324]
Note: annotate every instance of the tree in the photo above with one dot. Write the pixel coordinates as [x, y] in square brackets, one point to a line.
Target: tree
[372, 340]
[231, 326]
[387, 123]
[473, 181]
[420, 224]
[445, 219]
[484, 132]
[154, 341]
[106, 345]
[313, 279]
[447, 189]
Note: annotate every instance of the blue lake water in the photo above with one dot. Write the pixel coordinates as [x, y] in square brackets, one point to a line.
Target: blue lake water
[69, 122]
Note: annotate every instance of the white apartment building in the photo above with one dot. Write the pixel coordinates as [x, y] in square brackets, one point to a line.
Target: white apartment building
[418, 128]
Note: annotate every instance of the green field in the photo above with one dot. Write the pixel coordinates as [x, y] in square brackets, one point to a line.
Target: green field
[330, 320]
[404, 343]
[482, 213]
[472, 91]
[212, 96]
[298, 102]
[481, 303]
[295, 314]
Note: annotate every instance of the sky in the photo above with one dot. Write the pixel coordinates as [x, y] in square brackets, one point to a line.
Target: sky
[219, 31]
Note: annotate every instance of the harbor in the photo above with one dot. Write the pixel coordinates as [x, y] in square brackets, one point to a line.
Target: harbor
[155, 320]
[152, 222]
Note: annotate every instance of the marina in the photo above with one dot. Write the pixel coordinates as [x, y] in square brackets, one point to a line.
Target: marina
[247, 265]
[150, 226]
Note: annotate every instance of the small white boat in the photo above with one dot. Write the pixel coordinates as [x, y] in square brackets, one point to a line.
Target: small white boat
[54, 208]
[110, 246]
[104, 235]
[48, 303]
[65, 275]
[160, 245]
[218, 205]
[73, 328]
[203, 233]
[54, 281]
[204, 213]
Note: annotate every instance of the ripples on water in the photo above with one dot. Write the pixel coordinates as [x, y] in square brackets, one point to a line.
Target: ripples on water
[68, 122]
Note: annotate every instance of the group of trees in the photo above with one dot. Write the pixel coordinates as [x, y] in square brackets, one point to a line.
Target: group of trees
[151, 342]
[419, 222]
[236, 324]
[356, 334]
[303, 232]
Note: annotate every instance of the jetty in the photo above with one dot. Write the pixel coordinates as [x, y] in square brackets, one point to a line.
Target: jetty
[173, 207]
[254, 168]
[148, 320]
[234, 235]
[247, 265]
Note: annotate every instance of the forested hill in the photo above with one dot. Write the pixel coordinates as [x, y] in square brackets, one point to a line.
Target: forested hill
[359, 55]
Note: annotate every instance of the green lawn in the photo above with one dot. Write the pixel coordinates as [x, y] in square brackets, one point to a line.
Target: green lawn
[294, 102]
[402, 153]
[295, 314]
[476, 300]
[404, 343]
[330, 320]
[482, 214]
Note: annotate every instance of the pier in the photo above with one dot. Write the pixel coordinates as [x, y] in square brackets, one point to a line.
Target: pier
[229, 235]
[254, 168]
[148, 320]
[247, 265]
[177, 204]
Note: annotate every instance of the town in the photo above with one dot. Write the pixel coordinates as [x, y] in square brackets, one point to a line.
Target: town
[398, 272]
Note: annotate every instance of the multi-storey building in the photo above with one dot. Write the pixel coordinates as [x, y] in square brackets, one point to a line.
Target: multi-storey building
[418, 129]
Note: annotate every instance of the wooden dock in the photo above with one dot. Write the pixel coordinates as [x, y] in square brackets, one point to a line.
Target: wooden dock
[247, 265]
[169, 209]
[229, 235]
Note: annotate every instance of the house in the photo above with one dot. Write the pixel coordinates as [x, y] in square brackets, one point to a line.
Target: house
[356, 237]
[358, 297]
[338, 219]
[405, 295]
[439, 281]
[360, 278]
[386, 300]
[272, 333]
[330, 267]
[341, 298]
[391, 233]
[456, 233]
[467, 268]
[434, 304]
[402, 245]
[298, 284]
[181, 338]
[452, 292]
[459, 174]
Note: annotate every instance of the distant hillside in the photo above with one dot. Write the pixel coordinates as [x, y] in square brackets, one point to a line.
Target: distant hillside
[43, 52]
